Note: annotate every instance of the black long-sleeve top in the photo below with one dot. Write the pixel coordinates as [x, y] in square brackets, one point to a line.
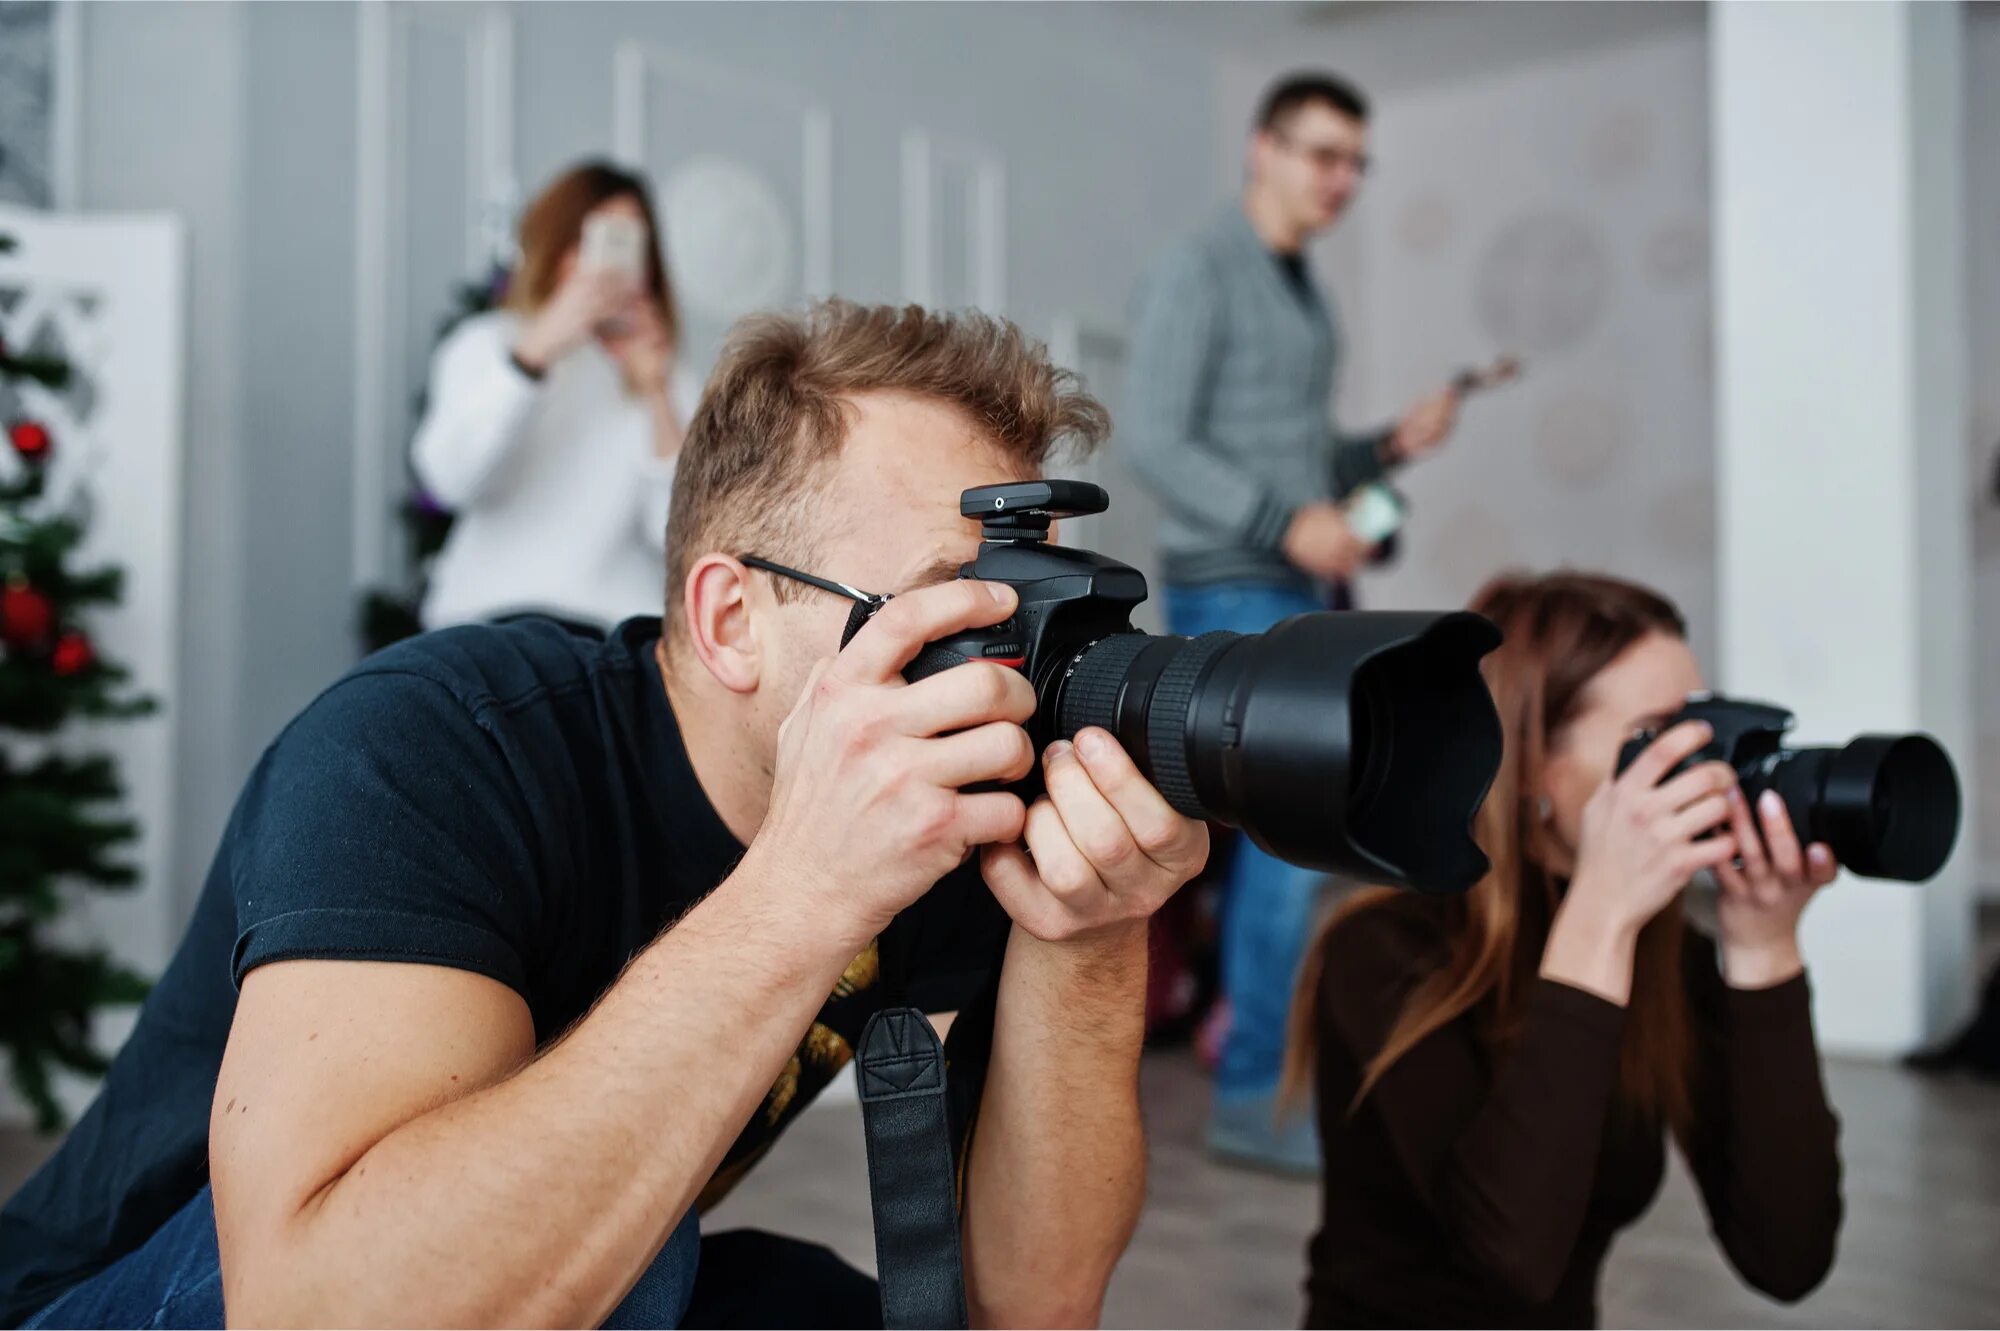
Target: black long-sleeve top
[1483, 1188]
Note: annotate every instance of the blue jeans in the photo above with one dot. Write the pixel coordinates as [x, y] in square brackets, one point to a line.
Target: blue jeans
[1267, 904]
[175, 1280]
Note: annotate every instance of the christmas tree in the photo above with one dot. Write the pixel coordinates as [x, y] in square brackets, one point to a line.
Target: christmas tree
[59, 830]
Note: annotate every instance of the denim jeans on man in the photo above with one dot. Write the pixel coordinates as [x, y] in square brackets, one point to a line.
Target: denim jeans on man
[175, 1280]
[1267, 914]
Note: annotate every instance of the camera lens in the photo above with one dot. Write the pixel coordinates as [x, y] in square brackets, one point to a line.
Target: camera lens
[1887, 805]
[1354, 743]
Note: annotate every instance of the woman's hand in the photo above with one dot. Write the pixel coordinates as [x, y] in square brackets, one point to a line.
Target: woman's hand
[588, 297]
[639, 342]
[1643, 839]
[1759, 908]
[1640, 842]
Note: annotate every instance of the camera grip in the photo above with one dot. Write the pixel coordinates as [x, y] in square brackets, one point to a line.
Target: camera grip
[933, 659]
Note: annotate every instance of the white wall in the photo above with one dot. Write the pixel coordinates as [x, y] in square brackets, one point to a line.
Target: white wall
[1845, 549]
[1982, 300]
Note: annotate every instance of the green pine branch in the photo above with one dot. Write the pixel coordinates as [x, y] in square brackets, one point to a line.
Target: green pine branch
[61, 827]
[48, 998]
[48, 371]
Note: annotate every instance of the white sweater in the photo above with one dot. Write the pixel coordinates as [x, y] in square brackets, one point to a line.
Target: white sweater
[561, 504]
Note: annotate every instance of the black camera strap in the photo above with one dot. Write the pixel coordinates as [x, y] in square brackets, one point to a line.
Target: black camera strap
[911, 1175]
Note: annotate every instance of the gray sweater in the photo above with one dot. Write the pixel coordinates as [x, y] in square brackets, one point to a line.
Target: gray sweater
[1226, 412]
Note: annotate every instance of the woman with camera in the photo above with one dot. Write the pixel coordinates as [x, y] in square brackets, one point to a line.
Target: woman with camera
[553, 423]
[1497, 1073]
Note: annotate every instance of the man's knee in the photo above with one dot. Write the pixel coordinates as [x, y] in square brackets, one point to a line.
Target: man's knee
[174, 1279]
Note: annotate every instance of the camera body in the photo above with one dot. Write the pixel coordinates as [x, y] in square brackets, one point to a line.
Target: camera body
[1069, 598]
[1749, 735]
[1887, 805]
[1354, 743]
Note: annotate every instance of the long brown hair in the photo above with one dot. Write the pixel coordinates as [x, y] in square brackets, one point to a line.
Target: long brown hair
[1560, 631]
[552, 226]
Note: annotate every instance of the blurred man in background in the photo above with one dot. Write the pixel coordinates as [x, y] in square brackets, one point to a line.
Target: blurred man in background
[1234, 353]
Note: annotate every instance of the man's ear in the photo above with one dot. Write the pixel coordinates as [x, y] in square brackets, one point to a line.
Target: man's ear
[1256, 159]
[715, 603]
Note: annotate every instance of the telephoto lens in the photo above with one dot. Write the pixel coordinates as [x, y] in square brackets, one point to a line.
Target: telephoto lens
[1888, 806]
[1355, 743]
[1361, 744]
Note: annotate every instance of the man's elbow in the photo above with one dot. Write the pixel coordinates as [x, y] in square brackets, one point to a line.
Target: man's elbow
[1069, 1293]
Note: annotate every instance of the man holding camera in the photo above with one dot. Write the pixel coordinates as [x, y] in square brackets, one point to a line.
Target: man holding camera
[542, 938]
[1233, 361]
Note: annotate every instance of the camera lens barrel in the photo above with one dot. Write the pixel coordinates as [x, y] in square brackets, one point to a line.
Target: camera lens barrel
[1354, 743]
[1887, 805]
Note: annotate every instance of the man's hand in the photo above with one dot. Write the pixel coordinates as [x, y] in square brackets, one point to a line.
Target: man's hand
[1321, 543]
[1103, 847]
[867, 810]
[1425, 426]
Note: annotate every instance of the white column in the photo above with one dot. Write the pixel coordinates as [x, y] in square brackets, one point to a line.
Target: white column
[1845, 549]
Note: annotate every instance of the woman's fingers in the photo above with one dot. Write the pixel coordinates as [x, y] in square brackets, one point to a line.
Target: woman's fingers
[1779, 839]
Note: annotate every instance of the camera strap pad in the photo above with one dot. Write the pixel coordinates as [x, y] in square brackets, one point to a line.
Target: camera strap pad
[911, 1178]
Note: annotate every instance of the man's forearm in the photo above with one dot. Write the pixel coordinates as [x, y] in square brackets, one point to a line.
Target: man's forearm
[541, 1199]
[1058, 1163]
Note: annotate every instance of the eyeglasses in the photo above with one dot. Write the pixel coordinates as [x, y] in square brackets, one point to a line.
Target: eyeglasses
[1325, 157]
[824, 584]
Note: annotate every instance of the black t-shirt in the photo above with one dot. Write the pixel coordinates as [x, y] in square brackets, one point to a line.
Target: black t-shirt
[511, 800]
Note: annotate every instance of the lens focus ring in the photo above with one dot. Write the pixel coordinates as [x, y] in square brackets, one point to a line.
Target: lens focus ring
[1167, 719]
[1090, 694]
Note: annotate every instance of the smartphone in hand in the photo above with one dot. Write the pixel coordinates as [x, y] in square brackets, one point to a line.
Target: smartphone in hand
[614, 241]
[1374, 511]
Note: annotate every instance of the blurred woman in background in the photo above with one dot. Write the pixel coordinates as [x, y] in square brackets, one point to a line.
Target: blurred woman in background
[1496, 1073]
[553, 423]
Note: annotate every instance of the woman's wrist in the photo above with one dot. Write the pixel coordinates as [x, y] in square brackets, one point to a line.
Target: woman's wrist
[1762, 964]
[1591, 946]
[535, 349]
[530, 357]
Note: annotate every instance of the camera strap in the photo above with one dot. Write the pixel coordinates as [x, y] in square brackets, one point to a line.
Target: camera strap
[911, 1175]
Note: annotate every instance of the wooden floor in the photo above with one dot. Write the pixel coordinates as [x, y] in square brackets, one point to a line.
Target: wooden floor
[1218, 1247]
[1222, 1248]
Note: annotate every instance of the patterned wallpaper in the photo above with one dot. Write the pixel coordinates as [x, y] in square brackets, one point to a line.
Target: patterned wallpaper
[1557, 212]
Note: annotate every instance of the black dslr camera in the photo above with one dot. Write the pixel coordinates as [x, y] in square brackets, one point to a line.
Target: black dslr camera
[1355, 743]
[1887, 805]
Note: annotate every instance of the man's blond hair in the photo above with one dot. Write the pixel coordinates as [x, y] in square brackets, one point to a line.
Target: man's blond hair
[776, 411]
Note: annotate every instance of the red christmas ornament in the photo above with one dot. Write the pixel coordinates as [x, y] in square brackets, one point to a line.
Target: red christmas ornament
[30, 439]
[26, 616]
[73, 655]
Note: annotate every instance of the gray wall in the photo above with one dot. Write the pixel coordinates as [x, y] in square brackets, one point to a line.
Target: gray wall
[164, 120]
[243, 119]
